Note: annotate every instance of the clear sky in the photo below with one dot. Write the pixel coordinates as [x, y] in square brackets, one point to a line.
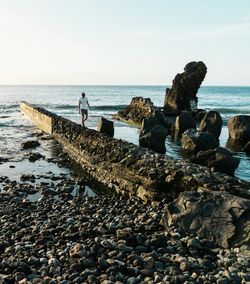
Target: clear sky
[123, 41]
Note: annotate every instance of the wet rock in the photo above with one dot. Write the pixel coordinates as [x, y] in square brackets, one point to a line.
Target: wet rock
[246, 148]
[220, 159]
[182, 95]
[155, 139]
[30, 144]
[106, 126]
[212, 122]
[31, 178]
[149, 123]
[239, 129]
[182, 123]
[218, 216]
[138, 109]
[194, 141]
[3, 160]
[35, 156]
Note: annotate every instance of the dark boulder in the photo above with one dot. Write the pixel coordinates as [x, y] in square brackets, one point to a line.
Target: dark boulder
[239, 129]
[3, 160]
[35, 156]
[246, 148]
[30, 144]
[194, 141]
[182, 123]
[138, 109]
[220, 159]
[212, 122]
[182, 95]
[106, 126]
[155, 139]
[199, 115]
[217, 216]
[28, 177]
[150, 123]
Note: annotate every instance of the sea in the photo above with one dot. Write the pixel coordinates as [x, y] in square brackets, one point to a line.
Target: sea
[105, 101]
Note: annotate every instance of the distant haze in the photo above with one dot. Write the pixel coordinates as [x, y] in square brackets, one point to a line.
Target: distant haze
[141, 42]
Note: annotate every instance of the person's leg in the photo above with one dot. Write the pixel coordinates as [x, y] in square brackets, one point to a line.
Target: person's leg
[83, 119]
[85, 114]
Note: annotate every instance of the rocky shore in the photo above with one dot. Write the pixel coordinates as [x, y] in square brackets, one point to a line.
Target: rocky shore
[106, 239]
[52, 231]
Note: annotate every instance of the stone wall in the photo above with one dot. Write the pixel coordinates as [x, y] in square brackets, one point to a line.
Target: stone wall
[127, 168]
[41, 118]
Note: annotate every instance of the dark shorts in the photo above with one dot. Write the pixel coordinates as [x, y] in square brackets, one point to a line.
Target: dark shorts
[84, 112]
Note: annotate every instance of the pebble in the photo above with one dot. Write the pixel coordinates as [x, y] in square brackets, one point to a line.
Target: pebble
[106, 240]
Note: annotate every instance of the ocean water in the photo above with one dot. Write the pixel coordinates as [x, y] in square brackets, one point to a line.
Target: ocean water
[105, 101]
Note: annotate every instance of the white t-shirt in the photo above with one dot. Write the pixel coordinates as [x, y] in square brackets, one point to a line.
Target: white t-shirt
[83, 102]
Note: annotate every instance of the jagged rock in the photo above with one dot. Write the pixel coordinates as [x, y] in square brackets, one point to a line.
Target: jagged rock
[35, 156]
[182, 95]
[220, 159]
[246, 148]
[30, 144]
[182, 123]
[212, 122]
[138, 109]
[106, 126]
[239, 129]
[217, 216]
[194, 141]
[155, 139]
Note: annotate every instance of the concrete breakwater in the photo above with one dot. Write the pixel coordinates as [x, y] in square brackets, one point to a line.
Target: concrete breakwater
[127, 168]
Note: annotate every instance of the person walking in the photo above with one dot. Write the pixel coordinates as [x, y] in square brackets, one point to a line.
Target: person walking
[83, 106]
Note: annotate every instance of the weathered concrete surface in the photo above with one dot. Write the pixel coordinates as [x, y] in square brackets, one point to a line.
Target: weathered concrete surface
[40, 119]
[127, 168]
[106, 126]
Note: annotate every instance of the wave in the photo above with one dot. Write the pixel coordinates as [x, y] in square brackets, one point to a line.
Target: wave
[102, 107]
[233, 110]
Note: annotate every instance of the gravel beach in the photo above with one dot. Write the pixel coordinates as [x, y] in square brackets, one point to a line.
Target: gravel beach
[103, 239]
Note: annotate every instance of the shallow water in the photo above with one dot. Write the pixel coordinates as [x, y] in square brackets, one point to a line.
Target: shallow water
[105, 101]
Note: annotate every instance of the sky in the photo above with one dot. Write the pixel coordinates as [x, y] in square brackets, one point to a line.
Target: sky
[120, 42]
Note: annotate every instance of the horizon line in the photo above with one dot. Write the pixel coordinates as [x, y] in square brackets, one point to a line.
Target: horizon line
[116, 85]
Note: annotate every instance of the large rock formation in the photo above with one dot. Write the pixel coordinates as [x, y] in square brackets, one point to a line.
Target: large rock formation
[212, 122]
[212, 215]
[194, 141]
[138, 109]
[182, 95]
[239, 129]
[220, 159]
[106, 126]
[183, 122]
